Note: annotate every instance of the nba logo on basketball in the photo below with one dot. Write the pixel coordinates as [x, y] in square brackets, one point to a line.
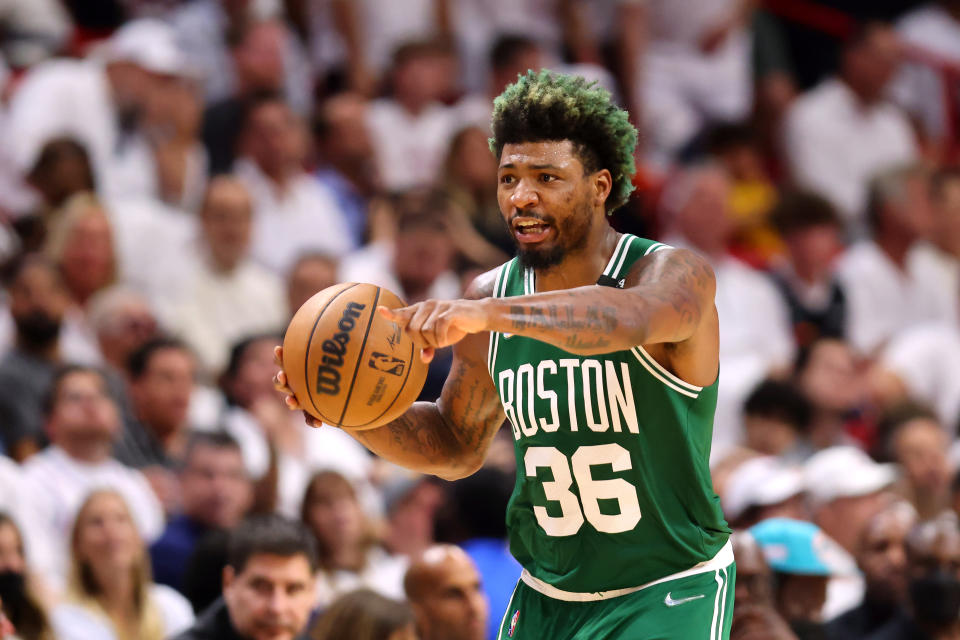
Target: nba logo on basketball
[513, 623]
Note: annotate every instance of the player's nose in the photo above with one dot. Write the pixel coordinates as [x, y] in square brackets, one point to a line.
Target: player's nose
[524, 196]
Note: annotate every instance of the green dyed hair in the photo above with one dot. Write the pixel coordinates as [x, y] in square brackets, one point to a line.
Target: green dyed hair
[543, 106]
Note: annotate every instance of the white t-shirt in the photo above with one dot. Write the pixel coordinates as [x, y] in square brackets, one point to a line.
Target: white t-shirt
[409, 148]
[301, 219]
[882, 299]
[57, 485]
[834, 145]
[73, 622]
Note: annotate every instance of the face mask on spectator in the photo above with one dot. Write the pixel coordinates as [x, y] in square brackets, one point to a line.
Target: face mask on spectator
[37, 328]
[936, 598]
[13, 588]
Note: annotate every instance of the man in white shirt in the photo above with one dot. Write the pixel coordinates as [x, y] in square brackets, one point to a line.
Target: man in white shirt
[82, 424]
[100, 101]
[411, 129]
[756, 339]
[223, 295]
[842, 132]
[292, 213]
[887, 287]
[417, 264]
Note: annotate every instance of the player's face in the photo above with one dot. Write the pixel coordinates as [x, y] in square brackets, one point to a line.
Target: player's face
[547, 200]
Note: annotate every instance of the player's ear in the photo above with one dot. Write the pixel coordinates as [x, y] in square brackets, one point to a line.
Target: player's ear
[602, 184]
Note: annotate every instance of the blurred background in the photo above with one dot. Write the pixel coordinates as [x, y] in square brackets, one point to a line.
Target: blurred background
[178, 176]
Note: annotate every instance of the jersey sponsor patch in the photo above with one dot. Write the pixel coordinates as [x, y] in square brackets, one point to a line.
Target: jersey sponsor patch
[513, 623]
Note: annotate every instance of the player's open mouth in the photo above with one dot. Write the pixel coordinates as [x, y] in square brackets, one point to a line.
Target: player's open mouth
[529, 230]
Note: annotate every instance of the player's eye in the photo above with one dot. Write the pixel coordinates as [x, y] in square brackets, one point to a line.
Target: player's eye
[546, 177]
[508, 179]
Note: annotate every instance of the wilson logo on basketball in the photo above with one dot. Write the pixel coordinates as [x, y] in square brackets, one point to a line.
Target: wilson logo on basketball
[334, 348]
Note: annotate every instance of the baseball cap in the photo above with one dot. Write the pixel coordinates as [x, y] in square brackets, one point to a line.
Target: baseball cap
[759, 482]
[148, 43]
[801, 548]
[844, 471]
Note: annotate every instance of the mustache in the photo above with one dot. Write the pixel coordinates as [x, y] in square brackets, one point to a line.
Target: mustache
[536, 215]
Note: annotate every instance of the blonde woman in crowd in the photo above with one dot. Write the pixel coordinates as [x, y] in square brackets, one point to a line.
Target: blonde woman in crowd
[110, 593]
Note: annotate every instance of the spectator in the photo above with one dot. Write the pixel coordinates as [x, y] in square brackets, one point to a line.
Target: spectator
[257, 51]
[80, 244]
[444, 589]
[222, 295]
[411, 129]
[161, 377]
[412, 503]
[913, 438]
[110, 593]
[839, 134]
[216, 494]
[933, 558]
[364, 615]
[776, 417]
[803, 559]
[311, 273]
[122, 320]
[99, 100]
[846, 488]
[813, 236]
[934, 28]
[479, 505]
[470, 169]
[62, 169]
[941, 260]
[761, 488]
[886, 286]
[348, 167]
[882, 557]
[694, 69]
[83, 424]
[754, 612]
[260, 421]
[417, 264]
[827, 374]
[206, 31]
[292, 214]
[18, 599]
[268, 585]
[756, 339]
[38, 302]
[350, 556]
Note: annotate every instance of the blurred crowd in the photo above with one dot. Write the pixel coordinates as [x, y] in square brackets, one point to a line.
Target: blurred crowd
[178, 176]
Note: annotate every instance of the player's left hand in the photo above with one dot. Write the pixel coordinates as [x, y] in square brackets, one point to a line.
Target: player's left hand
[434, 324]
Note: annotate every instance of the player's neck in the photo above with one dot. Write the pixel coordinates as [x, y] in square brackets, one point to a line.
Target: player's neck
[581, 268]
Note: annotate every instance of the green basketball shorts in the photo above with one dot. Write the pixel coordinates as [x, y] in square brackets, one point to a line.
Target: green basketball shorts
[686, 608]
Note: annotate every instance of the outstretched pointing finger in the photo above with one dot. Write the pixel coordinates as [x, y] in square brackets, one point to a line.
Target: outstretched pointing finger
[401, 316]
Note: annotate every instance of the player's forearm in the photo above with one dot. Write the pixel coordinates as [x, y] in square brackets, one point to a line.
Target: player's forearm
[594, 319]
[423, 440]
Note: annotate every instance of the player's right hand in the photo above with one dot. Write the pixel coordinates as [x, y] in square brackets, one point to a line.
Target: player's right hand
[280, 384]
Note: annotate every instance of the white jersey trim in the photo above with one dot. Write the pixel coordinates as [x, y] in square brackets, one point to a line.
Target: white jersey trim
[609, 270]
[722, 560]
[653, 368]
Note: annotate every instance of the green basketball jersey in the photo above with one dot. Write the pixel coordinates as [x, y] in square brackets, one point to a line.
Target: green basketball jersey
[613, 484]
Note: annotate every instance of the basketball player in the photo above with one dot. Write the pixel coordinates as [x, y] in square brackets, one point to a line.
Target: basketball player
[601, 350]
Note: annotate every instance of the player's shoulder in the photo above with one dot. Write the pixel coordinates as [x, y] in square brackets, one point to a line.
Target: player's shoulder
[484, 284]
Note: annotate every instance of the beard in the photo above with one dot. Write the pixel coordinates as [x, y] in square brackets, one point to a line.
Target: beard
[571, 237]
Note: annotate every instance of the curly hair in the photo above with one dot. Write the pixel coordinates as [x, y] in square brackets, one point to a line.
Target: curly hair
[543, 106]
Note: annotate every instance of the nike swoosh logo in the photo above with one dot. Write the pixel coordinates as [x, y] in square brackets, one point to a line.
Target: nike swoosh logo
[507, 335]
[670, 602]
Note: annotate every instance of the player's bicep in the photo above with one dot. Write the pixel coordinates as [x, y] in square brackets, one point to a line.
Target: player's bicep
[675, 291]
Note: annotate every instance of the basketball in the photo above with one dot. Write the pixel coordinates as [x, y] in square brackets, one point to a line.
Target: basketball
[347, 365]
